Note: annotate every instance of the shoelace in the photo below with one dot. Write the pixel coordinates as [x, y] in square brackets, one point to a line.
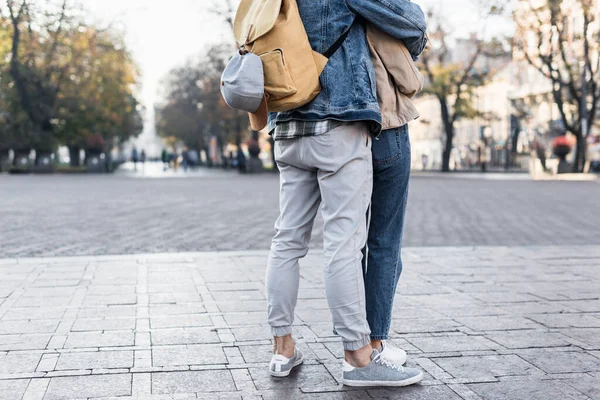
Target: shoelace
[386, 363]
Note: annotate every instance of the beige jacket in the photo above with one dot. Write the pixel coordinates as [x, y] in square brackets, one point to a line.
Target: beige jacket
[398, 79]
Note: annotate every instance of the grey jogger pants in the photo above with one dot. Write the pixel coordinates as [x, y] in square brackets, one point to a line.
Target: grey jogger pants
[335, 170]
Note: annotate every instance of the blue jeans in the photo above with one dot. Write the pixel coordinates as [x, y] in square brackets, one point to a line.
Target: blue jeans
[391, 174]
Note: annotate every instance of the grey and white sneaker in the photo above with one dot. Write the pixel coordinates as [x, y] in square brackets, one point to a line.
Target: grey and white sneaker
[380, 372]
[281, 366]
[393, 353]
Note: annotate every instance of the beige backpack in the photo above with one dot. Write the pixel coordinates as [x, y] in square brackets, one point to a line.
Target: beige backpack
[273, 30]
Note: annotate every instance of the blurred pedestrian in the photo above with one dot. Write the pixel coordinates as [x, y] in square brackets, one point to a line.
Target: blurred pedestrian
[540, 151]
[193, 158]
[134, 157]
[424, 160]
[185, 159]
[174, 160]
[241, 161]
[143, 158]
[164, 156]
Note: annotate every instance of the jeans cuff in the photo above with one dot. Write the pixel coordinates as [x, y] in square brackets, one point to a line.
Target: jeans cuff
[280, 331]
[358, 344]
[379, 337]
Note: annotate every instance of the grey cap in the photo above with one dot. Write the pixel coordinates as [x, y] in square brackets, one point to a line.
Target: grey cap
[243, 87]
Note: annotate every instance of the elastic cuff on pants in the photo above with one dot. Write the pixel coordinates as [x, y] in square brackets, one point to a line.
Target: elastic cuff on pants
[281, 331]
[357, 345]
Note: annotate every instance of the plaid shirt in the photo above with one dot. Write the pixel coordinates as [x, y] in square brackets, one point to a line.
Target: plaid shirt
[296, 128]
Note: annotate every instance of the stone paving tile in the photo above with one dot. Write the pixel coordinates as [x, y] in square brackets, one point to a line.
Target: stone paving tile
[588, 385]
[90, 324]
[13, 389]
[424, 325]
[16, 363]
[530, 390]
[471, 311]
[241, 295]
[77, 387]
[94, 360]
[585, 305]
[34, 302]
[36, 326]
[257, 354]
[297, 394]
[556, 362]
[503, 323]
[439, 344]
[533, 308]
[177, 288]
[180, 321]
[528, 339]
[176, 297]
[107, 312]
[589, 337]
[97, 290]
[485, 367]
[567, 320]
[192, 382]
[109, 299]
[311, 378]
[100, 339]
[249, 318]
[24, 342]
[177, 309]
[242, 306]
[243, 334]
[417, 392]
[200, 354]
[37, 313]
[184, 336]
[49, 292]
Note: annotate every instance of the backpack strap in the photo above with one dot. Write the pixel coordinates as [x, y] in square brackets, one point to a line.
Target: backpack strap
[338, 43]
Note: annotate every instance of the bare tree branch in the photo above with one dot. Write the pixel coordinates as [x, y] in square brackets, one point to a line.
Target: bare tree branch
[465, 76]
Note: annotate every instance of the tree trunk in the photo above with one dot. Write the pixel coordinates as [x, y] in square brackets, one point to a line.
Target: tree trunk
[4, 157]
[580, 150]
[75, 160]
[449, 131]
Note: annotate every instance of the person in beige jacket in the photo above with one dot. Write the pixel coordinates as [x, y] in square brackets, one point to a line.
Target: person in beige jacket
[398, 80]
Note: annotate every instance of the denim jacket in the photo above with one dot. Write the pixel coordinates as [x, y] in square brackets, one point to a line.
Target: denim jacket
[348, 87]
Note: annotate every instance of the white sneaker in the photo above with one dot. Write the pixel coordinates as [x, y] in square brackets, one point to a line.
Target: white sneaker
[380, 372]
[393, 353]
[281, 366]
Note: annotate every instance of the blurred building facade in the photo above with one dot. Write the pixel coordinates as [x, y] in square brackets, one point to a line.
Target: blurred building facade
[517, 106]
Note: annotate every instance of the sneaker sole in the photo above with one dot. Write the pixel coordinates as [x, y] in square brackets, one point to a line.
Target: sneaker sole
[283, 374]
[406, 382]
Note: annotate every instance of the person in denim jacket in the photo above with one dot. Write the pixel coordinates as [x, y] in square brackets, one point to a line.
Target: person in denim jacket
[323, 151]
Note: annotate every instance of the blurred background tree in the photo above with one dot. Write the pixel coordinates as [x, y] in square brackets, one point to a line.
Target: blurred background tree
[194, 110]
[453, 81]
[65, 80]
[561, 39]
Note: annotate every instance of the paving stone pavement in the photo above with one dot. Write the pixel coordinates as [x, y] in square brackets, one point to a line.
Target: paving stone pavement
[216, 211]
[497, 323]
